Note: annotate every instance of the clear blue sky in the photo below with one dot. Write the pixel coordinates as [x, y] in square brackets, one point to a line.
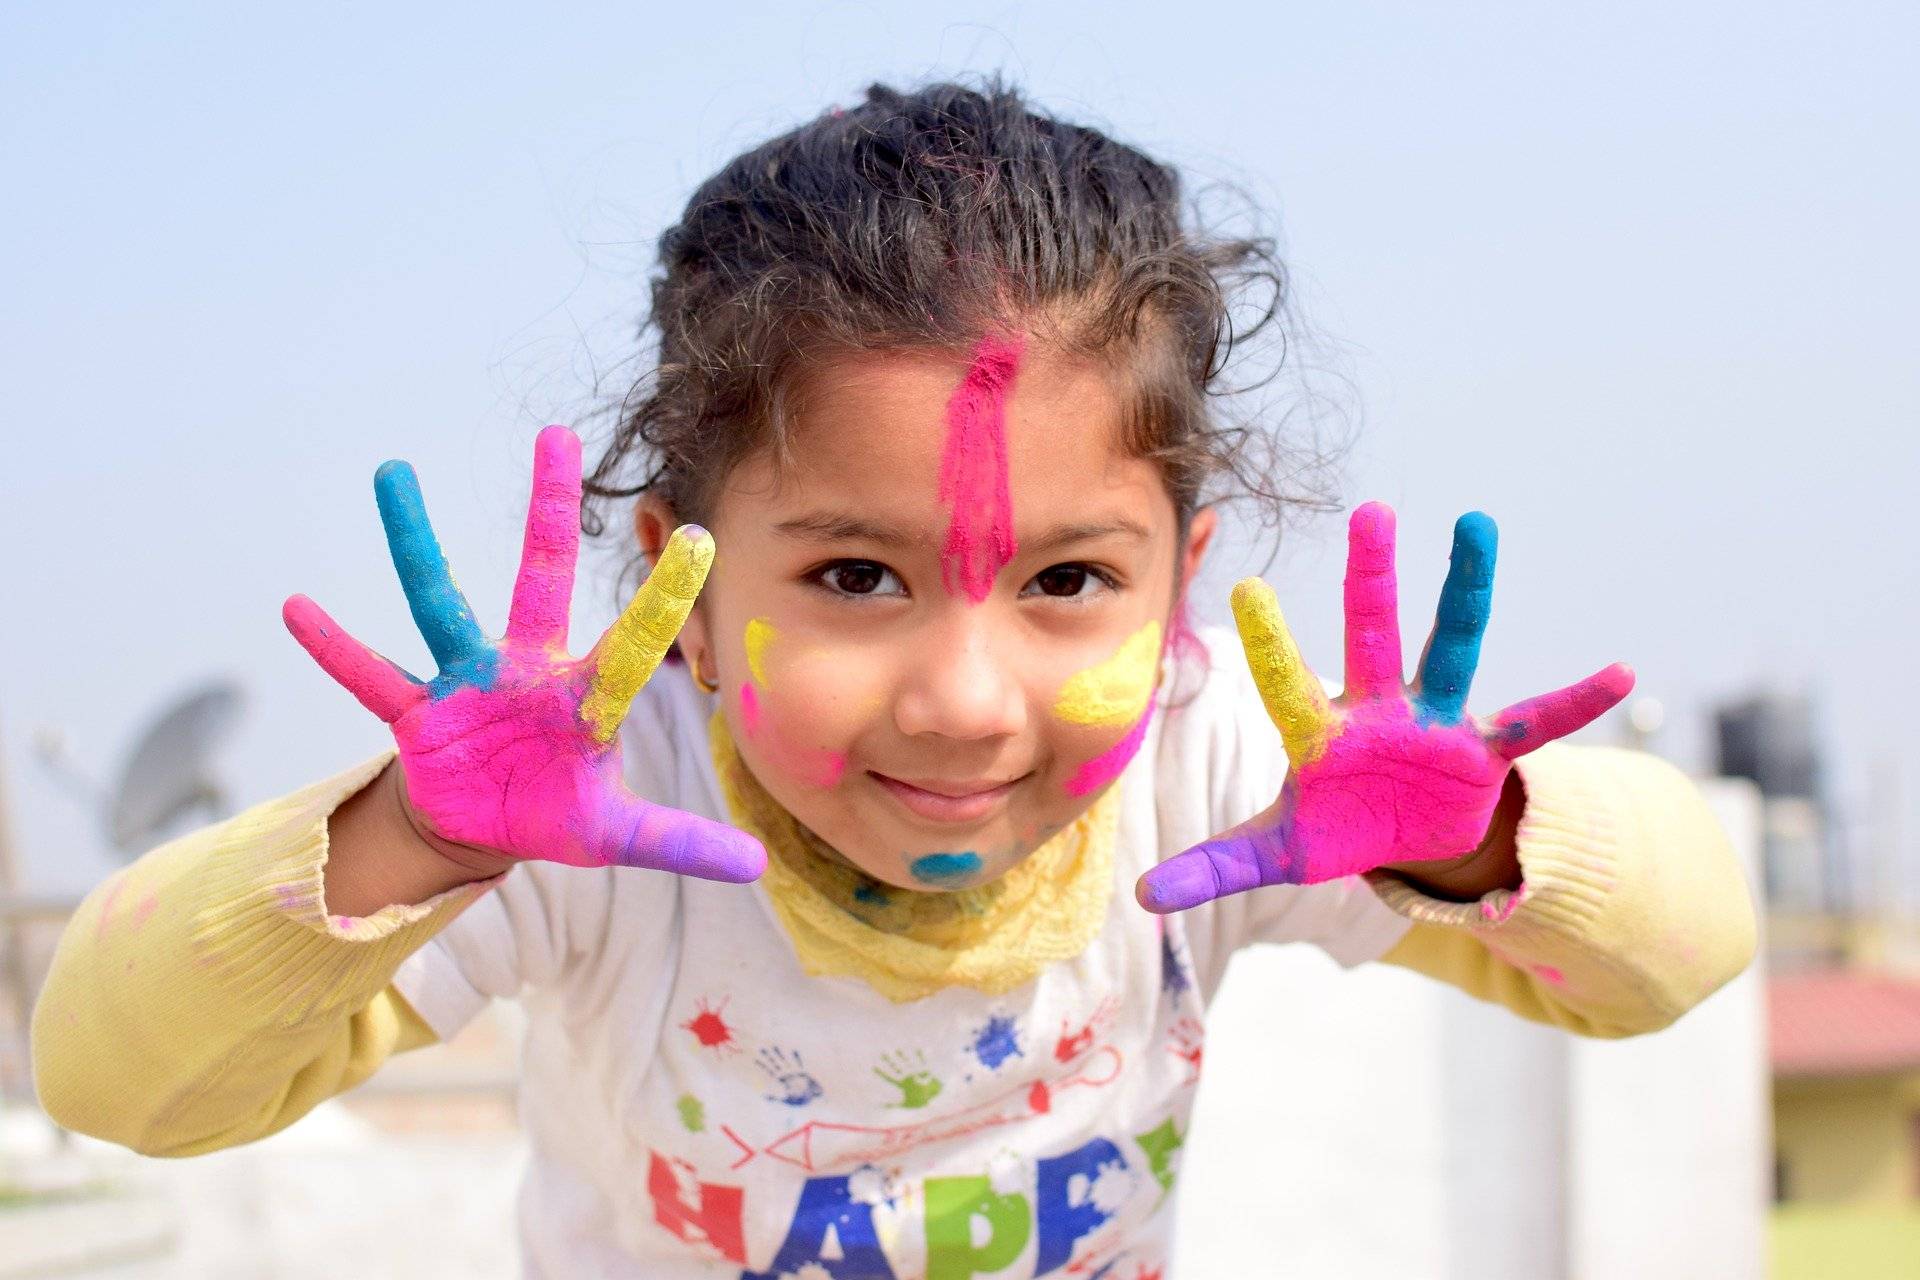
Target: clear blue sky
[1637, 279]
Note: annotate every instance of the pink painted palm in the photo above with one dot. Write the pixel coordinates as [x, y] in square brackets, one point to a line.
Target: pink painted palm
[1386, 773]
[513, 750]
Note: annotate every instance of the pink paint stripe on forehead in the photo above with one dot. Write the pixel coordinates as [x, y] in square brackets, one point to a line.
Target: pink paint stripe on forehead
[973, 472]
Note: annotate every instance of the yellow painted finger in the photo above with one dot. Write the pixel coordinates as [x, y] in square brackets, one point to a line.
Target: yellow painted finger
[627, 655]
[1295, 701]
[1114, 691]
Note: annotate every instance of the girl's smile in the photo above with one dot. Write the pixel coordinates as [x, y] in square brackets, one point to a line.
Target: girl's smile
[936, 627]
[949, 801]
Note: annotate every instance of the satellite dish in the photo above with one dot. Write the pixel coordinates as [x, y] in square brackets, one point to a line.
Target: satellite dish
[168, 774]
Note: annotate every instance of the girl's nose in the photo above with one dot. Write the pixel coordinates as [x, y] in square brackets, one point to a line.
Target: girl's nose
[959, 687]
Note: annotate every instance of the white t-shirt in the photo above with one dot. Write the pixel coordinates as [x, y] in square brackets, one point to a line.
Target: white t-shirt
[699, 1106]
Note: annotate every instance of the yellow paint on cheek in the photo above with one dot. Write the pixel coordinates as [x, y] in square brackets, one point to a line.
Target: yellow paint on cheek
[760, 634]
[1115, 691]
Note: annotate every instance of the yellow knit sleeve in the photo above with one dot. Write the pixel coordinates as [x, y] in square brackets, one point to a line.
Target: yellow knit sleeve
[203, 997]
[1633, 906]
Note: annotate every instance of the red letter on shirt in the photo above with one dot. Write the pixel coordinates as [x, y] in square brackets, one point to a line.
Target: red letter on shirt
[716, 1219]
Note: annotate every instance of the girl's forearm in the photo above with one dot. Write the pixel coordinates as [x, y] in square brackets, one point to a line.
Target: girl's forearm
[204, 997]
[1636, 907]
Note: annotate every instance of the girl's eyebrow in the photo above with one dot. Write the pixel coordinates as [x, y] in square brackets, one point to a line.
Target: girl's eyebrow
[1067, 534]
[829, 526]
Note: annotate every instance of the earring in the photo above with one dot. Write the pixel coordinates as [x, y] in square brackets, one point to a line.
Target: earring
[706, 685]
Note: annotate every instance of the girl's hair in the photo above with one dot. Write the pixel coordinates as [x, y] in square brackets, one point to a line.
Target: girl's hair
[929, 219]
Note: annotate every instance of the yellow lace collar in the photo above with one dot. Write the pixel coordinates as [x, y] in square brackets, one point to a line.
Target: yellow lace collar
[907, 945]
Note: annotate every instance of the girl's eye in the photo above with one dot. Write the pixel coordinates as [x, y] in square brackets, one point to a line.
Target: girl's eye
[859, 578]
[1070, 581]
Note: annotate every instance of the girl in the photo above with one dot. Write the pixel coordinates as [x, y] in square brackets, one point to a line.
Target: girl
[933, 373]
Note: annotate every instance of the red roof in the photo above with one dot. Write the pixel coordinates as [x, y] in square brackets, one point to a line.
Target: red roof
[1842, 1023]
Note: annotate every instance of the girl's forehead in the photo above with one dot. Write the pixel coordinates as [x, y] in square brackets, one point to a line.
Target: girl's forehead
[887, 447]
[888, 418]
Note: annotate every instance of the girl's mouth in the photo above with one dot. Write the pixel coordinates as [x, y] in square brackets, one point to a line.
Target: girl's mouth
[940, 800]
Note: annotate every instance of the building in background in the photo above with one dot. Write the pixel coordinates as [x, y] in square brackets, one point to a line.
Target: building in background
[1843, 1013]
[1845, 1052]
[1769, 740]
[1380, 1125]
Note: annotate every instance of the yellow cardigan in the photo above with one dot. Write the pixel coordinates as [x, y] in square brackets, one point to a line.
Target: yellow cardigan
[203, 997]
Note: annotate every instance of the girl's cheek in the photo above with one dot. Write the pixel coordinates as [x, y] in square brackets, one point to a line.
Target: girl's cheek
[801, 705]
[1115, 690]
[1092, 769]
[1104, 710]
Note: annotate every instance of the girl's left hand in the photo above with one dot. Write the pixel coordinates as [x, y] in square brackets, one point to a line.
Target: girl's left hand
[1386, 774]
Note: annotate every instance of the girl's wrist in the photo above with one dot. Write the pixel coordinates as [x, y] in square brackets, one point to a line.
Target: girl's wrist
[475, 862]
[381, 853]
[1493, 864]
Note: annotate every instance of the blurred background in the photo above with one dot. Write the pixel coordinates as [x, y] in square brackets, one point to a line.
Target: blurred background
[1635, 279]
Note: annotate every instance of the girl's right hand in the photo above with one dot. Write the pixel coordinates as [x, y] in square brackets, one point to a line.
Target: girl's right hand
[513, 752]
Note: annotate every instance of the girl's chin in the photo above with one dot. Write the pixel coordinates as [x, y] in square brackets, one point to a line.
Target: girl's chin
[913, 862]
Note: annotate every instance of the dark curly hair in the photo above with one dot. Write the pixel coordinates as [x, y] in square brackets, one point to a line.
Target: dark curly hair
[927, 219]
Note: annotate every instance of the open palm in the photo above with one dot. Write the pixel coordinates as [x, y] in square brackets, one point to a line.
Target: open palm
[1386, 772]
[514, 747]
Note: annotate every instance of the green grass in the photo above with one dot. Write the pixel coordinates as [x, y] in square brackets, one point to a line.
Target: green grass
[18, 1197]
[1826, 1242]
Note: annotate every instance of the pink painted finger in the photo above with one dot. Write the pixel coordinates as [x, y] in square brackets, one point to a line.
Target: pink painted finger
[1527, 726]
[381, 687]
[1374, 667]
[543, 592]
[1246, 857]
[635, 832]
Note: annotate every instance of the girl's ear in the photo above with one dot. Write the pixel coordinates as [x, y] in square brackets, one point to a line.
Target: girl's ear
[1199, 534]
[653, 524]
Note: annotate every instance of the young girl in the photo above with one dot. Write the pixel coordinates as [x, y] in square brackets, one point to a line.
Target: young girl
[823, 936]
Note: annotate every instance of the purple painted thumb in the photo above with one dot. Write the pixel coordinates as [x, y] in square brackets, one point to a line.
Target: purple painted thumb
[1226, 864]
[640, 833]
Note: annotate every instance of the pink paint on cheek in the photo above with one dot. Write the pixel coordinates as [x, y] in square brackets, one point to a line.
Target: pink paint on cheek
[828, 767]
[750, 709]
[1109, 764]
[147, 906]
[1549, 974]
[973, 473]
[814, 765]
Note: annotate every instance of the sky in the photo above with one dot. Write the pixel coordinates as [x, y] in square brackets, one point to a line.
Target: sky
[1635, 279]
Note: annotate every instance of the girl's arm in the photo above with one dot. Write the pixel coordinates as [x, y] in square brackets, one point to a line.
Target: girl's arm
[1632, 908]
[208, 995]
[1600, 894]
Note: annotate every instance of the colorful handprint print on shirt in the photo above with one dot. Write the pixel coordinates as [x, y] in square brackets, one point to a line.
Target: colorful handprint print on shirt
[1386, 772]
[514, 746]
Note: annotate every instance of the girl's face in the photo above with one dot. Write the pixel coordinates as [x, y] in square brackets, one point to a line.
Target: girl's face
[931, 707]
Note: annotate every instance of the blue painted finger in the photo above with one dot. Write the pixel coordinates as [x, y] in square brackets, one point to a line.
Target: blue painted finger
[443, 615]
[1465, 602]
